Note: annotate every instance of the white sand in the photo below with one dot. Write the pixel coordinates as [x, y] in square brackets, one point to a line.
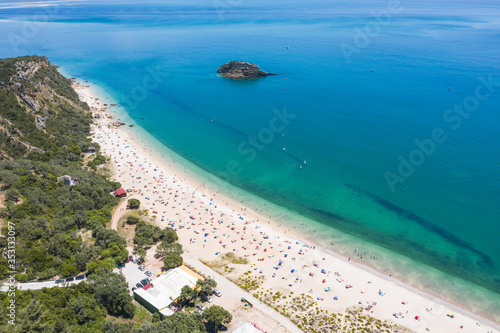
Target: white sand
[231, 227]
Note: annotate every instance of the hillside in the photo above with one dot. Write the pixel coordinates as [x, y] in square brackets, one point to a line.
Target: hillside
[54, 208]
[41, 116]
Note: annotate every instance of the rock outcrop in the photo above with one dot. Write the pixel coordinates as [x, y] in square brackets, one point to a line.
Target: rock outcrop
[241, 70]
[30, 101]
[26, 69]
[40, 121]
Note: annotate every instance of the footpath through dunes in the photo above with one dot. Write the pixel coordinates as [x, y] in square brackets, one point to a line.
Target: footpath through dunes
[117, 214]
[272, 263]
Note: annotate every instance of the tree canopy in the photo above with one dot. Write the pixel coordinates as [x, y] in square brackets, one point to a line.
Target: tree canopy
[216, 315]
[133, 204]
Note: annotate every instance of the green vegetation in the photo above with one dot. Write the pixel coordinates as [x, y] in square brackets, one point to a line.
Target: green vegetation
[133, 204]
[216, 315]
[79, 308]
[187, 294]
[56, 101]
[172, 260]
[147, 234]
[111, 290]
[58, 206]
[51, 202]
[131, 219]
[96, 161]
[206, 286]
[47, 214]
[172, 253]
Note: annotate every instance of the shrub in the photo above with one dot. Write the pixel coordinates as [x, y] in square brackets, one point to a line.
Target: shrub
[133, 204]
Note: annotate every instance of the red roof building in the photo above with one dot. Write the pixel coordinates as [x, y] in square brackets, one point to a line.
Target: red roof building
[121, 193]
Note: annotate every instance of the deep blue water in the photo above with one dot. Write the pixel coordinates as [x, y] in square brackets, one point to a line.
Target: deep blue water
[358, 103]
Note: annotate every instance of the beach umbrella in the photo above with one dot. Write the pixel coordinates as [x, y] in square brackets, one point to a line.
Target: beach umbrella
[416, 317]
[335, 298]
[324, 280]
[293, 270]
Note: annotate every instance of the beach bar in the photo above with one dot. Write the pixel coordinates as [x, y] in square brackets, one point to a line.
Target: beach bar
[161, 297]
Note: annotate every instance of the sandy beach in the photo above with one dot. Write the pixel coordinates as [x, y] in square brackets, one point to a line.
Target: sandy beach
[210, 225]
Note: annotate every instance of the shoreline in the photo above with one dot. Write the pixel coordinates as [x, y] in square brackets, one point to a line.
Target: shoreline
[410, 294]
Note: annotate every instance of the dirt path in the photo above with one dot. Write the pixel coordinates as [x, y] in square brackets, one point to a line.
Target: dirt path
[119, 211]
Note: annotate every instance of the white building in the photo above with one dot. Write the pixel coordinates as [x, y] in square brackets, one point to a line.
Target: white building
[165, 290]
[247, 328]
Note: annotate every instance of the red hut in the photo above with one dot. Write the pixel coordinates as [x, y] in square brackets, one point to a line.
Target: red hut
[121, 193]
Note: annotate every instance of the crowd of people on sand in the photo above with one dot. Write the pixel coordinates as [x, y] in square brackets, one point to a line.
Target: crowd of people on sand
[210, 224]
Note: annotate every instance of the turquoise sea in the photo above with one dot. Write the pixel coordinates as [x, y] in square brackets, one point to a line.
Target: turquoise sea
[381, 127]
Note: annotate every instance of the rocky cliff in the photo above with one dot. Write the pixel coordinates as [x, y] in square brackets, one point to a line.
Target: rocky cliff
[241, 70]
[35, 99]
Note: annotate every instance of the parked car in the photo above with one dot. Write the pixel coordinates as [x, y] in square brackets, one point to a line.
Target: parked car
[70, 279]
[201, 307]
[141, 268]
[148, 273]
[198, 311]
[127, 261]
[134, 288]
[59, 280]
[222, 328]
[120, 266]
[80, 277]
[138, 285]
[131, 258]
[144, 282]
[217, 293]
[149, 279]
[208, 299]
